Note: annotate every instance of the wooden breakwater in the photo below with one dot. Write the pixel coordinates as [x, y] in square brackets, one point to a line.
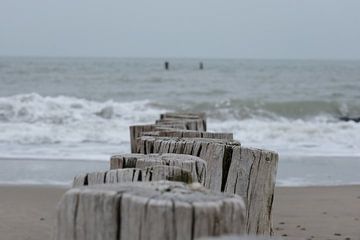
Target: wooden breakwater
[152, 211]
[231, 187]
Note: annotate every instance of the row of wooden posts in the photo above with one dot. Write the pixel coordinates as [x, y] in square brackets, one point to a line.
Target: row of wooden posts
[178, 182]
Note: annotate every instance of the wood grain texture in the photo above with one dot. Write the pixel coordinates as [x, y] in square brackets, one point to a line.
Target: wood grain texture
[181, 133]
[185, 115]
[151, 211]
[259, 237]
[152, 173]
[196, 166]
[191, 124]
[137, 130]
[215, 152]
[232, 168]
[252, 175]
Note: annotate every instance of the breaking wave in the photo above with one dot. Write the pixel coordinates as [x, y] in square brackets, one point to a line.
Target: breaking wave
[34, 119]
[41, 125]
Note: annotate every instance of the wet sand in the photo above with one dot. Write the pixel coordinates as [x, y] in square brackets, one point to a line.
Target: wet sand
[28, 212]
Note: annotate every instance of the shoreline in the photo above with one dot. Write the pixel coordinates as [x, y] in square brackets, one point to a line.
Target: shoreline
[328, 212]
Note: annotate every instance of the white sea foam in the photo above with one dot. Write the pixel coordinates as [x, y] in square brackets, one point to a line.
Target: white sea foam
[63, 127]
[318, 136]
[33, 119]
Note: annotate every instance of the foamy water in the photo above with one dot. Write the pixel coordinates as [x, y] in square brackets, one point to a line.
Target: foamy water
[64, 109]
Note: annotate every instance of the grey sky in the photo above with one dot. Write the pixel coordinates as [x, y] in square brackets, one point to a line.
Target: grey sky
[196, 28]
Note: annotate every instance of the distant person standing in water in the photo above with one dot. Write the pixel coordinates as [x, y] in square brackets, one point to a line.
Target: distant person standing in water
[166, 65]
[201, 66]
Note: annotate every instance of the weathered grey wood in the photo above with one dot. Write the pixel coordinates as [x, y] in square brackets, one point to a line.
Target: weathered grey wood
[214, 151]
[80, 180]
[89, 179]
[147, 211]
[180, 133]
[196, 166]
[153, 173]
[185, 115]
[177, 120]
[189, 115]
[137, 130]
[88, 214]
[96, 177]
[123, 175]
[191, 124]
[170, 173]
[232, 168]
[258, 237]
[252, 175]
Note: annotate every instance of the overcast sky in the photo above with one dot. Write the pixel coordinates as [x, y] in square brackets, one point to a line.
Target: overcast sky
[183, 28]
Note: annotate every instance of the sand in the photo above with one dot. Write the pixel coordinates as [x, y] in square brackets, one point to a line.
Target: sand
[28, 212]
[317, 212]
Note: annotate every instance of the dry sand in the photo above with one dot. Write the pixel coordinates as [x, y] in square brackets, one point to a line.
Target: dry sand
[317, 212]
[28, 212]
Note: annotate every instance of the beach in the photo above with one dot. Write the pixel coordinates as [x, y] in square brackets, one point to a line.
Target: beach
[71, 126]
[28, 212]
[317, 212]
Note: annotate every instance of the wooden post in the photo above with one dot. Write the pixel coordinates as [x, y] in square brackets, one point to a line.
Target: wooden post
[137, 130]
[153, 173]
[215, 152]
[185, 115]
[147, 211]
[191, 124]
[231, 168]
[180, 133]
[252, 175]
[259, 237]
[192, 164]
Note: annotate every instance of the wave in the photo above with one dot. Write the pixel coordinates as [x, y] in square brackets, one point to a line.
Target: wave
[318, 136]
[244, 109]
[70, 127]
[35, 119]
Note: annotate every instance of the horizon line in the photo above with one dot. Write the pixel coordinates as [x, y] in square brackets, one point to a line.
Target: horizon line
[183, 57]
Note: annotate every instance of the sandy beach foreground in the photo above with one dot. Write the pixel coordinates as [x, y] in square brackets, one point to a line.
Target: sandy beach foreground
[28, 212]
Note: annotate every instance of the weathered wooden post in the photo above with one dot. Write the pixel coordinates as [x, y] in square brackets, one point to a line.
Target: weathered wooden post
[231, 168]
[137, 130]
[244, 237]
[181, 133]
[190, 124]
[180, 121]
[185, 115]
[192, 164]
[147, 174]
[147, 211]
[215, 152]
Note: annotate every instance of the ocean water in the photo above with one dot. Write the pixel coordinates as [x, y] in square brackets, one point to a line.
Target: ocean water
[58, 114]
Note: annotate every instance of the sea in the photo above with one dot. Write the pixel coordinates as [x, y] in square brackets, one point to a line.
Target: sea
[63, 116]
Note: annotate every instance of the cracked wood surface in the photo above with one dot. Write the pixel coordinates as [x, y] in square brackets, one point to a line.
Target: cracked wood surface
[185, 115]
[151, 211]
[213, 151]
[252, 175]
[190, 124]
[180, 133]
[152, 173]
[174, 120]
[137, 130]
[195, 165]
[232, 168]
[240, 238]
